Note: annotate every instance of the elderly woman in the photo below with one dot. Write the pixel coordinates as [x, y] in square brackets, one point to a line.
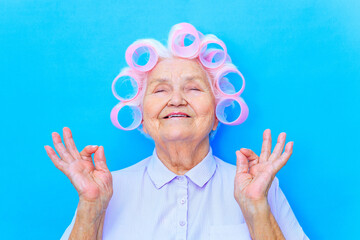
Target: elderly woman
[182, 191]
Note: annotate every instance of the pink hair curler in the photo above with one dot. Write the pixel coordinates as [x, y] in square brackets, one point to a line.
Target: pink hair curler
[213, 52]
[222, 80]
[179, 33]
[141, 56]
[135, 112]
[229, 102]
[126, 86]
[213, 55]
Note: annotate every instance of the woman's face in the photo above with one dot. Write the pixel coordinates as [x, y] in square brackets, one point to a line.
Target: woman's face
[178, 103]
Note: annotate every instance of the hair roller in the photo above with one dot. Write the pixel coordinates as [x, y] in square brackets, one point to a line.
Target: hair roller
[128, 110]
[141, 55]
[213, 52]
[226, 110]
[229, 80]
[184, 40]
[127, 85]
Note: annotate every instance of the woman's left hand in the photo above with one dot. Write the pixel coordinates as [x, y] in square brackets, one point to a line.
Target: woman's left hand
[254, 174]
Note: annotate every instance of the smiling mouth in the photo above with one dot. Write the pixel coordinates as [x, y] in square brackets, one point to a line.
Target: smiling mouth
[177, 116]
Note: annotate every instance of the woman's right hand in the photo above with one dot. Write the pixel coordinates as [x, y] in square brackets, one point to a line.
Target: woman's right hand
[92, 182]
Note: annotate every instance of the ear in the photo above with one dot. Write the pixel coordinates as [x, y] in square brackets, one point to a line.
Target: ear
[216, 123]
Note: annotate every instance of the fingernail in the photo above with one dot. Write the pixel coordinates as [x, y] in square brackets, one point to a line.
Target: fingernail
[99, 149]
[93, 146]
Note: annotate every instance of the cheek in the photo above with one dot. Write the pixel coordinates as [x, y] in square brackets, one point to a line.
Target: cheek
[204, 106]
[152, 107]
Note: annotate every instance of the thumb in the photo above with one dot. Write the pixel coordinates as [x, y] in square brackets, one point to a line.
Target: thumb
[242, 163]
[100, 160]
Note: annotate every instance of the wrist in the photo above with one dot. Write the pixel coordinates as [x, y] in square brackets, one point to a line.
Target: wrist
[89, 222]
[260, 220]
[253, 209]
[90, 212]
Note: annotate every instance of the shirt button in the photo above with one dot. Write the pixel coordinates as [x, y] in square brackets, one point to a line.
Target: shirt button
[183, 200]
[181, 178]
[182, 223]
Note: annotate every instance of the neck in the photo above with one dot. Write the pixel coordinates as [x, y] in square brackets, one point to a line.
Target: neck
[179, 157]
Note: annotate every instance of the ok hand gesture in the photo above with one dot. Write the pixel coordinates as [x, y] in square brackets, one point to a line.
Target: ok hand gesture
[254, 174]
[92, 182]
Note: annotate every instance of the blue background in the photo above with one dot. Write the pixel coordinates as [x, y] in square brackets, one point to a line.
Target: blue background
[301, 63]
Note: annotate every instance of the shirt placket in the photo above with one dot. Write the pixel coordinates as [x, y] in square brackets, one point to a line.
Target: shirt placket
[182, 208]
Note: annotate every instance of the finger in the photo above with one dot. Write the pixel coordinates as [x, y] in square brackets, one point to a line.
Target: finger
[278, 147]
[282, 160]
[251, 156]
[100, 160]
[266, 146]
[242, 164]
[60, 148]
[88, 151]
[69, 143]
[59, 164]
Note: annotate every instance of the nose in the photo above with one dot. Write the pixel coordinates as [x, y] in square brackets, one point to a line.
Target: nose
[177, 99]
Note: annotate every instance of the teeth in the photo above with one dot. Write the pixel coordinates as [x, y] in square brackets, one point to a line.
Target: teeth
[171, 116]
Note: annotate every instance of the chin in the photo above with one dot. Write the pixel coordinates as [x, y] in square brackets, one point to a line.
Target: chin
[177, 134]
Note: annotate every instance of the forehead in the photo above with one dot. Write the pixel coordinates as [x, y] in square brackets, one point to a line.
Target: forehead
[177, 67]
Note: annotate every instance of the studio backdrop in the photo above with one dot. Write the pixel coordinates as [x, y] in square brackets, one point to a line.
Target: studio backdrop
[300, 60]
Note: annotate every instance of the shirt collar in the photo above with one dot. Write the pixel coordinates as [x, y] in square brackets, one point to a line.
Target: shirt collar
[203, 171]
[200, 174]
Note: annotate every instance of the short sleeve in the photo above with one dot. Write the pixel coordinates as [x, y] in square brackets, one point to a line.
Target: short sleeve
[68, 230]
[283, 214]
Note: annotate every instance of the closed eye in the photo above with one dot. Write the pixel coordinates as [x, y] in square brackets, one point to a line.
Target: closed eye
[160, 90]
